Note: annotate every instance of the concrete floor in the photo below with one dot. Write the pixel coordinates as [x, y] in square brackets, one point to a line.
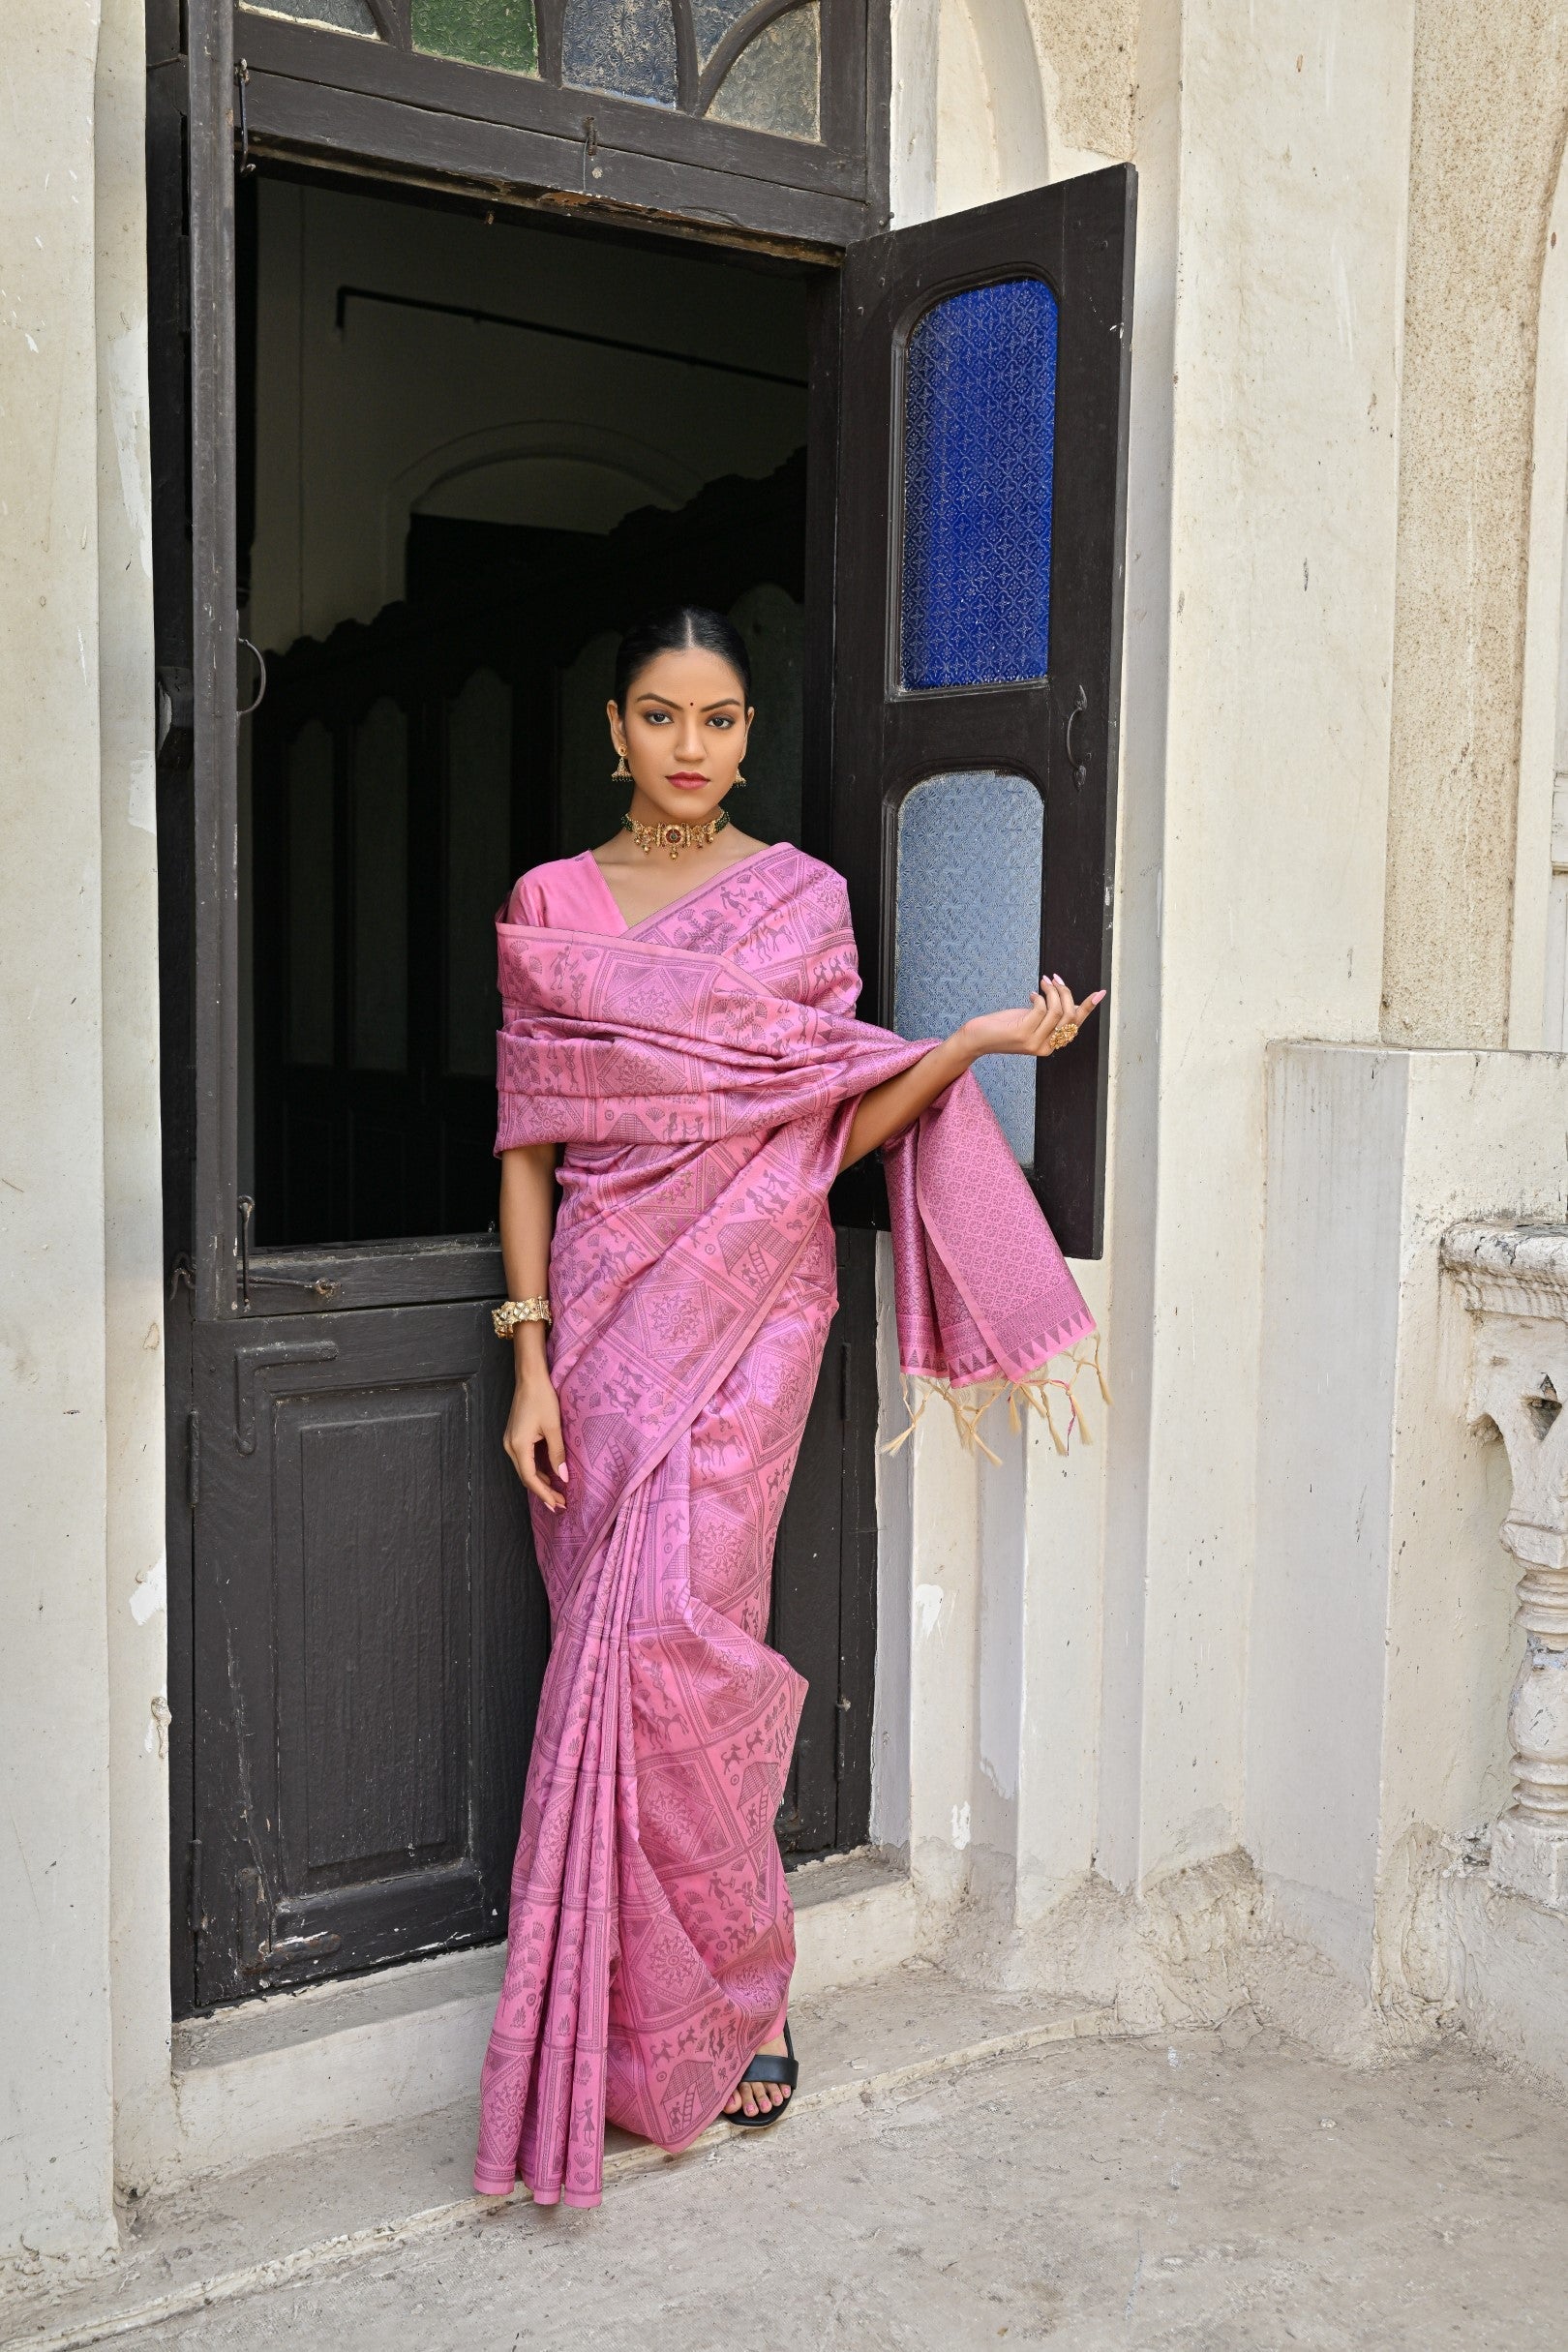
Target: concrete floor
[1221, 2193]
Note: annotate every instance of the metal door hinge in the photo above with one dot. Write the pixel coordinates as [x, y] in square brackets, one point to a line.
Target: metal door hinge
[195, 1917]
[193, 1457]
[258, 1950]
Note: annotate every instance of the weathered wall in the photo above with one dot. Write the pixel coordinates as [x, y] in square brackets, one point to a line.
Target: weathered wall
[1089, 64]
[138, 1575]
[1254, 808]
[55, 2138]
[1490, 102]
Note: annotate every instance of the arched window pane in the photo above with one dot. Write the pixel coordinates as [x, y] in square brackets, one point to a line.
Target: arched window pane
[774, 84]
[380, 803]
[499, 32]
[309, 957]
[343, 15]
[478, 865]
[624, 46]
[712, 19]
[979, 437]
[967, 922]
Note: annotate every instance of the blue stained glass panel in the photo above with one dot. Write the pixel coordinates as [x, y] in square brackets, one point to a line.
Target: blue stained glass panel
[967, 931]
[979, 435]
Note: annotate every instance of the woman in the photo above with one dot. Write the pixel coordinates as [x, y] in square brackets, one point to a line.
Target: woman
[678, 1013]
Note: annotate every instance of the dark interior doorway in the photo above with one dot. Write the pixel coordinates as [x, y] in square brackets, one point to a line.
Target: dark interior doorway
[470, 453]
[479, 451]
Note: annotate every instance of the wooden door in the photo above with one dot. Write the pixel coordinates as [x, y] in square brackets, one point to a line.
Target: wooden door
[357, 1629]
[982, 489]
[370, 1628]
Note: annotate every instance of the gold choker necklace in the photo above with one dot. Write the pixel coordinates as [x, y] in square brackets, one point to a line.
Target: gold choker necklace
[675, 837]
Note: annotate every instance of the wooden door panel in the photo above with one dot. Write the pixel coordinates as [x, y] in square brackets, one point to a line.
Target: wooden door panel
[372, 1570]
[371, 1633]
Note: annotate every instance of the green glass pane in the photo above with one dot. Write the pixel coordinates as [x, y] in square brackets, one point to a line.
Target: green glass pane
[343, 15]
[498, 33]
[624, 46]
[773, 84]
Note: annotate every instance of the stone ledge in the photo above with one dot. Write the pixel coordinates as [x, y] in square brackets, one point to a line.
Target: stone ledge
[270, 2074]
[315, 2209]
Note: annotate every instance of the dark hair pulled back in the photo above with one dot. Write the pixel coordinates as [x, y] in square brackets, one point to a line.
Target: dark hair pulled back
[689, 625]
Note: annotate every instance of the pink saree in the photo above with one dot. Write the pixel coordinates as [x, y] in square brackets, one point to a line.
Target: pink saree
[702, 1070]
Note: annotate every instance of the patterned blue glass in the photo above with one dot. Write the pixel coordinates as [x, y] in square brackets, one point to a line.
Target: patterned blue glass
[967, 936]
[979, 432]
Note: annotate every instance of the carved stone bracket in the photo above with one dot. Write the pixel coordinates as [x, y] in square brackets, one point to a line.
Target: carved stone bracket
[1514, 1279]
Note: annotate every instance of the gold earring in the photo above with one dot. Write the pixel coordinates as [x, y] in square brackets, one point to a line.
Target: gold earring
[620, 773]
[738, 778]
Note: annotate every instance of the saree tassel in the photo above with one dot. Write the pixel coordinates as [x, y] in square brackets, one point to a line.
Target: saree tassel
[914, 1412]
[968, 1407]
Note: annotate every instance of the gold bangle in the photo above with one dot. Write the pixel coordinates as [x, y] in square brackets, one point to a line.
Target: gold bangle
[507, 1317]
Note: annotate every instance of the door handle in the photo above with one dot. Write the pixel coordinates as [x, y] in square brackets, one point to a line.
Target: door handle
[1079, 767]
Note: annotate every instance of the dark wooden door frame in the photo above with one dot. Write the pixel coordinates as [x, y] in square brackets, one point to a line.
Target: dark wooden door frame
[192, 272]
[1060, 731]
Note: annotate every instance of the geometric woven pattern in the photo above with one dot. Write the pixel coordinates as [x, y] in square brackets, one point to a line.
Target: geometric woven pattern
[701, 1069]
[967, 935]
[980, 435]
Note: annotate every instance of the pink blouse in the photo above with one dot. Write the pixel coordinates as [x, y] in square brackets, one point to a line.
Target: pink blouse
[565, 894]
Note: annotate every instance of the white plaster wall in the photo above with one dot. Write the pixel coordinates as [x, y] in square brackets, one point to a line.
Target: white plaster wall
[1253, 816]
[1382, 1641]
[138, 1573]
[1490, 111]
[56, 2135]
[989, 1605]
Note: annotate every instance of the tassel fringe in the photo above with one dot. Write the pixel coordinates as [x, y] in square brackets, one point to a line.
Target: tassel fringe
[970, 1406]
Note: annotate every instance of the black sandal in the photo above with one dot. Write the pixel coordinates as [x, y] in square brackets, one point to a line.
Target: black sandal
[764, 2068]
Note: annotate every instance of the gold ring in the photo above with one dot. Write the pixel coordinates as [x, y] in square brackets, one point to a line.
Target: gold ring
[1065, 1035]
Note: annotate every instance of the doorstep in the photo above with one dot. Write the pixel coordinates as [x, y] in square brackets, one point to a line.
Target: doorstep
[361, 2191]
[267, 2075]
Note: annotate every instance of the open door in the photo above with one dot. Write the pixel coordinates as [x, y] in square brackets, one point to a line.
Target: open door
[357, 1627]
[983, 491]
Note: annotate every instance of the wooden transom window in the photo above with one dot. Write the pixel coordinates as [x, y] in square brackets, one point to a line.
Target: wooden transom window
[688, 106]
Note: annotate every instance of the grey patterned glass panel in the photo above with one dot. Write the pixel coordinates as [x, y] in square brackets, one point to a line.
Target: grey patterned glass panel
[309, 789]
[967, 922]
[343, 15]
[712, 19]
[624, 46]
[478, 866]
[774, 84]
[498, 33]
[380, 888]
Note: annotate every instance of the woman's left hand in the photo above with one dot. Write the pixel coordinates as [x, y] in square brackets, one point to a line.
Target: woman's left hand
[1050, 1021]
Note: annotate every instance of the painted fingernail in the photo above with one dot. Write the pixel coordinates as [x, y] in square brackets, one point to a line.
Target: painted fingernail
[563, 1474]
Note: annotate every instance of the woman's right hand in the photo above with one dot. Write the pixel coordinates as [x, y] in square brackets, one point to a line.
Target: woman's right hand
[535, 1422]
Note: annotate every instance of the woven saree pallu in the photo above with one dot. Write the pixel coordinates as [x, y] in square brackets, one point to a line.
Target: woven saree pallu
[702, 1070]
